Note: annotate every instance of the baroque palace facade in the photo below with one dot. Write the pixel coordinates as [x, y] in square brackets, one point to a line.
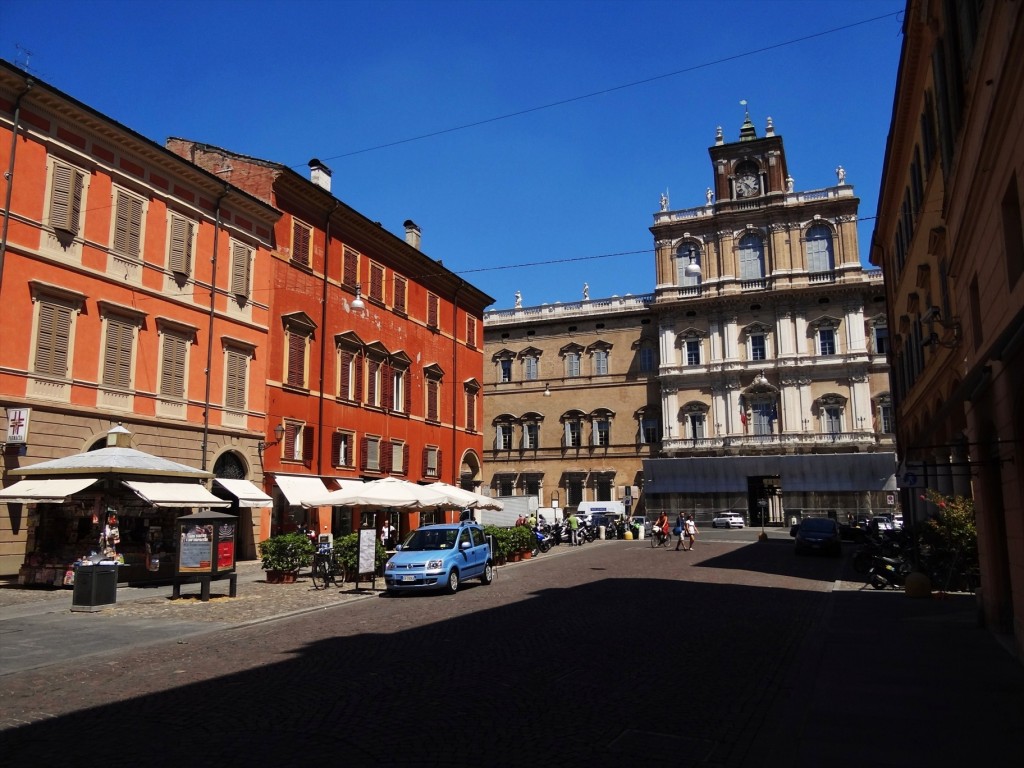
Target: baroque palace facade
[754, 377]
[950, 240]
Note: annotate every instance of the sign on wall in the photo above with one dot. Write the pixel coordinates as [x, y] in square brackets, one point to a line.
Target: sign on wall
[17, 425]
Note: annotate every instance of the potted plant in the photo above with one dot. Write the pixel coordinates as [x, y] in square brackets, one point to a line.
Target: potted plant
[501, 543]
[281, 556]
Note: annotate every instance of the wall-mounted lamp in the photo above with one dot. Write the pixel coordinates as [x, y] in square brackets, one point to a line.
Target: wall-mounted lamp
[547, 390]
[262, 445]
[357, 303]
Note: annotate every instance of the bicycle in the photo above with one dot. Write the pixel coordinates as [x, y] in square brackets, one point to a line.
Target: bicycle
[326, 570]
[659, 538]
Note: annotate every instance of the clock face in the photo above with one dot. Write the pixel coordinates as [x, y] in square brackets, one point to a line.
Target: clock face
[746, 185]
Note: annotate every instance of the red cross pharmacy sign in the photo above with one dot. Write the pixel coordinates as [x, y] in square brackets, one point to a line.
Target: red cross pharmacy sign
[17, 425]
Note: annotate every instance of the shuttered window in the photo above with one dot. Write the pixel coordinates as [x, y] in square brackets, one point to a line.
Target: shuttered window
[52, 339]
[296, 359]
[470, 331]
[117, 353]
[400, 289]
[433, 390]
[377, 282]
[241, 258]
[172, 366]
[127, 225]
[237, 364]
[179, 257]
[432, 310]
[471, 411]
[431, 461]
[308, 443]
[350, 268]
[397, 459]
[345, 374]
[66, 198]
[371, 453]
[302, 238]
[373, 383]
[341, 449]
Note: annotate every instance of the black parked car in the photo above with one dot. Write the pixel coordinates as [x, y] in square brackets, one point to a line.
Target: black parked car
[818, 534]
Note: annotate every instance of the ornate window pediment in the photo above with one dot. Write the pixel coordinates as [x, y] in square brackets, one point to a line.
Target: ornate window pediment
[503, 354]
[601, 345]
[825, 321]
[756, 328]
[571, 348]
[831, 399]
[695, 406]
[530, 352]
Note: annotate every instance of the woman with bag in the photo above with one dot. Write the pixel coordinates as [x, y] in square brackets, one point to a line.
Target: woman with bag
[680, 530]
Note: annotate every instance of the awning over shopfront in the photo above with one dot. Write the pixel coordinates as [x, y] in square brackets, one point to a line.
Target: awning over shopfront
[175, 494]
[248, 495]
[295, 488]
[810, 472]
[39, 491]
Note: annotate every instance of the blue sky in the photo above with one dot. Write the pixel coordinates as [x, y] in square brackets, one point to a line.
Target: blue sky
[540, 201]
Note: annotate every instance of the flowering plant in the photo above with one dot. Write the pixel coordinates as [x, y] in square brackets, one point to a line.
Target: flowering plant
[951, 526]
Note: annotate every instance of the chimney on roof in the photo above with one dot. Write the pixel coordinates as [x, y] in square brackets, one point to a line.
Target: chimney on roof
[412, 234]
[320, 174]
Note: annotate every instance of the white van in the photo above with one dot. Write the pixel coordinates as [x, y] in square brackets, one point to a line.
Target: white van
[610, 509]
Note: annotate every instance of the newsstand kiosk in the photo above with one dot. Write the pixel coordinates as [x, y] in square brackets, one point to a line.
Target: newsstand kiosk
[206, 551]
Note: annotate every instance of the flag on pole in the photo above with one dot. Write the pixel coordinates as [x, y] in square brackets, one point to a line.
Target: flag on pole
[743, 410]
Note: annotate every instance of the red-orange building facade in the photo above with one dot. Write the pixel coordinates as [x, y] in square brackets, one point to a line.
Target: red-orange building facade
[128, 271]
[391, 388]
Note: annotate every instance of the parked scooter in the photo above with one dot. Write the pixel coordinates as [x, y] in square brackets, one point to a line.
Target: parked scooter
[544, 539]
[889, 572]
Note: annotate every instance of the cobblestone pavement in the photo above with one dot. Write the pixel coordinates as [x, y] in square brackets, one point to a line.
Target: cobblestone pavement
[609, 654]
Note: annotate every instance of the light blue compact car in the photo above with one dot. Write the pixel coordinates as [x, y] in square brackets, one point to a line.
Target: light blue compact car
[440, 557]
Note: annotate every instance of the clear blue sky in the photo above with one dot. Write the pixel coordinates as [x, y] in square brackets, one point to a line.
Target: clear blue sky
[640, 86]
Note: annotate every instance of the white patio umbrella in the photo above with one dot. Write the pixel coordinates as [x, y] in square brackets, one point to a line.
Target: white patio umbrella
[463, 498]
[386, 492]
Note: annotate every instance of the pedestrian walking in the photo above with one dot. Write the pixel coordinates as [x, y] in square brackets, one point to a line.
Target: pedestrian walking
[691, 532]
[680, 530]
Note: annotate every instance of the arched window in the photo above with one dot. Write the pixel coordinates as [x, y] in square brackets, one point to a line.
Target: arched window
[687, 254]
[819, 249]
[751, 257]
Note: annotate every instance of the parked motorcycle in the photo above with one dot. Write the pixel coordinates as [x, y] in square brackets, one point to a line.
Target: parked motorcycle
[889, 572]
[544, 540]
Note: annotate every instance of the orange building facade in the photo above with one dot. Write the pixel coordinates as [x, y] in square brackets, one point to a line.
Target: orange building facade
[125, 274]
[375, 351]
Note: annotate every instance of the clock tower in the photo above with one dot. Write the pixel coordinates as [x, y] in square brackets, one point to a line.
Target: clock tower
[751, 167]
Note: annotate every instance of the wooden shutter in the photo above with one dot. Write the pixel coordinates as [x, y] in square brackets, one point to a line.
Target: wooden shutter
[432, 392]
[345, 374]
[432, 310]
[336, 442]
[300, 243]
[240, 270]
[65, 198]
[437, 468]
[357, 374]
[172, 366]
[377, 282]
[407, 391]
[308, 438]
[425, 469]
[470, 331]
[364, 453]
[117, 354]
[128, 225]
[371, 383]
[179, 259]
[52, 339]
[234, 396]
[291, 432]
[386, 386]
[296, 359]
[471, 411]
[400, 288]
[350, 268]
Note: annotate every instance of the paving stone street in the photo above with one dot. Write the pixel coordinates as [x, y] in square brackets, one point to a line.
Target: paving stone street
[735, 654]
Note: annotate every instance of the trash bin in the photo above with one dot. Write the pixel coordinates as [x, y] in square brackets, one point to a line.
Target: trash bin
[601, 532]
[95, 587]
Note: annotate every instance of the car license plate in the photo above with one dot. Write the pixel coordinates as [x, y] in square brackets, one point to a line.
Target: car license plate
[408, 578]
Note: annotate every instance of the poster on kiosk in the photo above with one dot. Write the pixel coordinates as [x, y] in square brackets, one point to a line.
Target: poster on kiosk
[206, 543]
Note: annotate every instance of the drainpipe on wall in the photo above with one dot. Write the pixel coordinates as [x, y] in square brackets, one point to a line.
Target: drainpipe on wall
[323, 341]
[209, 337]
[9, 174]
